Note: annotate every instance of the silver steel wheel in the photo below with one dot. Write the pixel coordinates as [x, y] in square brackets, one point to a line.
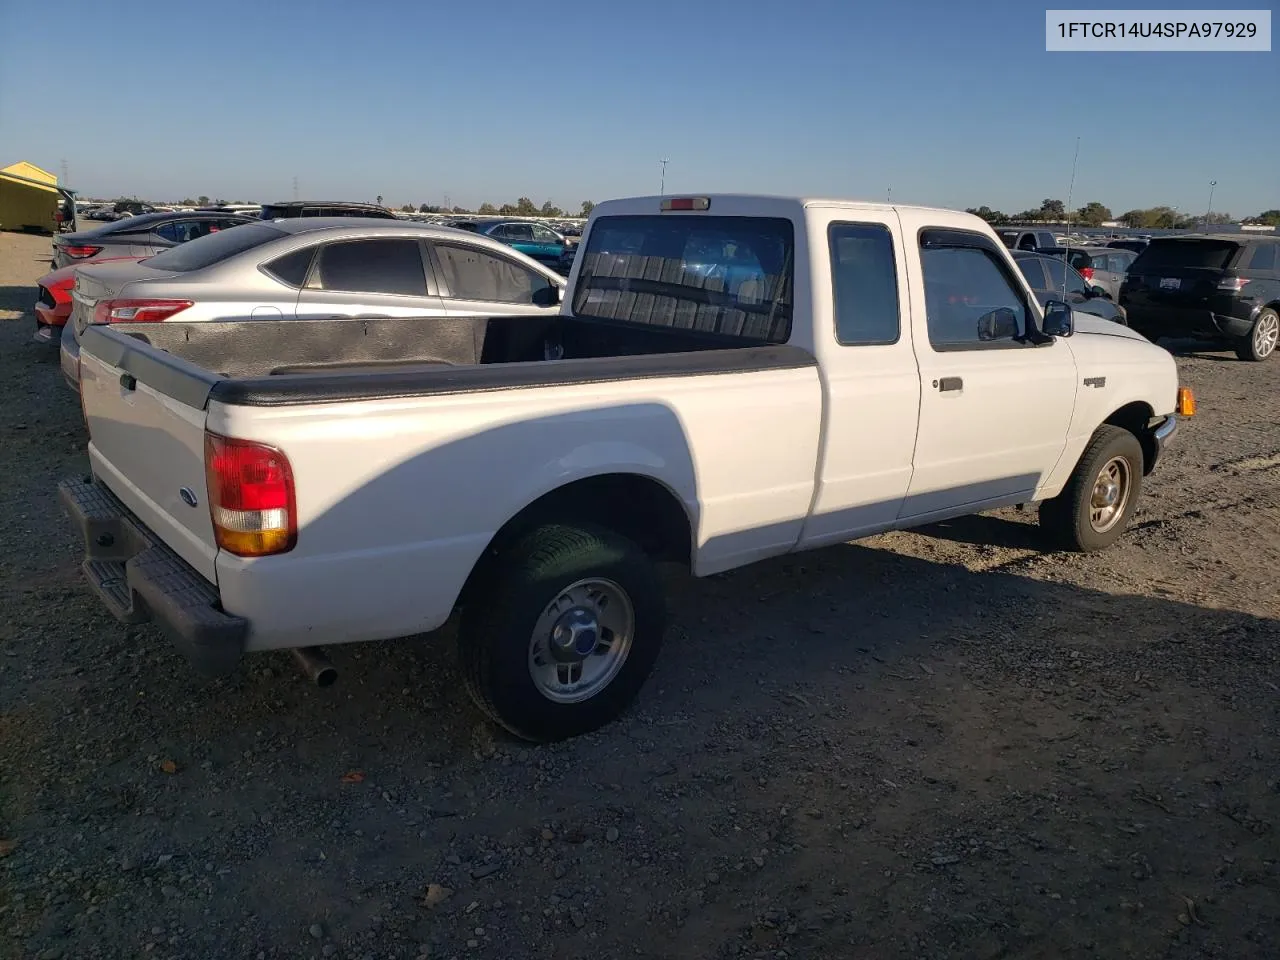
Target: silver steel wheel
[1266, 333]
[581, 640]
[1110, 494]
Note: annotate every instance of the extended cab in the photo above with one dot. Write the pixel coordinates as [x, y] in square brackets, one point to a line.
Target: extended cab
[731, 378]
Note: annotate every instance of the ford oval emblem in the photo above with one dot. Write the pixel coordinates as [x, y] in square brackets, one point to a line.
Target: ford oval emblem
[188, 496]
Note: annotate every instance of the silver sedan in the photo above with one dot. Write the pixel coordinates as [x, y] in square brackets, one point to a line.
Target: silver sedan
[311, 269]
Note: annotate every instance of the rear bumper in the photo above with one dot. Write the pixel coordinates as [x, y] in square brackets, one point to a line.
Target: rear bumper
[1227, 319]
[141, 580]
[69, 357]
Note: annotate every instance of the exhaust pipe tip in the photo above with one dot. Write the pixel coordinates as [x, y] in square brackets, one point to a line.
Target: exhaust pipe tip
[315, 666]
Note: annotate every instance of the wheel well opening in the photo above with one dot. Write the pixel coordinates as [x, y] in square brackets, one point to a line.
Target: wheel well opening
[1136, 418]
[637, 507]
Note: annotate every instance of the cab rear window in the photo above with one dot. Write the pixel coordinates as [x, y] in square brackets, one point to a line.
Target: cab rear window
[1175, 254]
[720, 275]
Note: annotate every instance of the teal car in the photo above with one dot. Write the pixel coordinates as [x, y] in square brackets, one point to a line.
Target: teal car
[532, 239]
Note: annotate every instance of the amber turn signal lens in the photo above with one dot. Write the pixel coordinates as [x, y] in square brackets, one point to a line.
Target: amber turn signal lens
[1186, 402]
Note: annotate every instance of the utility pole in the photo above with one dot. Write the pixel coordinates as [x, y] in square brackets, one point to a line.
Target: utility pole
[295, 187]
[1208, 212]
[888, 197]
[65, 178]
[662, 184]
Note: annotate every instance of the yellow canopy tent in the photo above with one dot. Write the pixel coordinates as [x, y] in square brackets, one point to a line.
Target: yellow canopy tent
[29, 197]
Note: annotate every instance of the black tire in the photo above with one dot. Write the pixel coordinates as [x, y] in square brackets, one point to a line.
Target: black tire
[1254, 346]
[497, 627]
[1066, 518]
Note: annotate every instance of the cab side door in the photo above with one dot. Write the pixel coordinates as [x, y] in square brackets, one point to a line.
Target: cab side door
[996, 398]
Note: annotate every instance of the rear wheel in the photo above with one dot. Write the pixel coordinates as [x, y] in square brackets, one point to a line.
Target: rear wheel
[1261, 341]
[1094, 508]
[562, 631]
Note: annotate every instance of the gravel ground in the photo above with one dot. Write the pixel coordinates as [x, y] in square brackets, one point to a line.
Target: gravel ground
[945, 743]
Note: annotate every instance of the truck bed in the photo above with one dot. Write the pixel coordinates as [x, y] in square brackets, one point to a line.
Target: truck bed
[276, 362]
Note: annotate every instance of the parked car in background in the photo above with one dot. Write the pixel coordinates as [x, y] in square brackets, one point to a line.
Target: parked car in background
[1018, 239]
[1136, 244]
[132, 208]
[1222, 286]
[1102, 267]
[1052, 279]
[287, 210]
[532, 239]
[320, 268]
[53, 301]
[139, 236]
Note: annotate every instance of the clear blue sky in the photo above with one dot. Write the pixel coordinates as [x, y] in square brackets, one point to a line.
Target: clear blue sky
[951, 103]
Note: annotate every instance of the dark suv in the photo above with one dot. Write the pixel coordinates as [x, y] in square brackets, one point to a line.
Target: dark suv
[1224, 286]
[314, 208]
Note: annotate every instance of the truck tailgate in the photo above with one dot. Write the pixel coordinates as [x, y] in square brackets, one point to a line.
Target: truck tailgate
[147, 446]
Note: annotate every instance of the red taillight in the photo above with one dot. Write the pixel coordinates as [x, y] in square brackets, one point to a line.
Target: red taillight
[1233, 284]
[80, 252]
[137, 311]
[1086, 272]
[251, 497]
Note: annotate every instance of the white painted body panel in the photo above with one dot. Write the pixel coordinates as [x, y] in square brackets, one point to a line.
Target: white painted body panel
[398, 498]
[147, 447]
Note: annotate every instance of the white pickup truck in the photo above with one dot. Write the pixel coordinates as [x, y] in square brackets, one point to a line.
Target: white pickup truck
[731, 378]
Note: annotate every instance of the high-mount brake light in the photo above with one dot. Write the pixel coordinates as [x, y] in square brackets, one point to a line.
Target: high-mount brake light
[251, 498]
[686, 203]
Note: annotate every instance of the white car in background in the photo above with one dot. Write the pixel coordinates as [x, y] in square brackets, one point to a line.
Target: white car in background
[313, 269]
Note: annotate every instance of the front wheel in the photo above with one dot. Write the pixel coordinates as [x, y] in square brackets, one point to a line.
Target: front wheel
[1261, 341]
[562, 631]
[1094, 508]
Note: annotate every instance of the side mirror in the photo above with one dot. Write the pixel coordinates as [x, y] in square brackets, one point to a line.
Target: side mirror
[1058, 319]
[548, 296]
[999, 324]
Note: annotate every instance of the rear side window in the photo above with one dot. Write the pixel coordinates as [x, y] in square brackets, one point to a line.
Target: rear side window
[474, 274]
[215, 247]
[1264, 257]
[1175, 254]
[1057, 272]
[1031, 269]
[373, 266]
[864, 282]
[723, 275]
[292, 267]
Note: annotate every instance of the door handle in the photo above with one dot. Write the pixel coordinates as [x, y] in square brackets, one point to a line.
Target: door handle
[949, 383]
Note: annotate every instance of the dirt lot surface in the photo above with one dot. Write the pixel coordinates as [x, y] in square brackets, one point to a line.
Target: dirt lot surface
[938, 744]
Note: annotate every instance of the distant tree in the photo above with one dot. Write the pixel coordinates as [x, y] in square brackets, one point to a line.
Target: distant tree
[1267, 218]
[407, 208]
[202, 200]
[188, 202]
[460, 210]
[587, 207]
[1218, 218]
[989, 215]
[487, 209]
[550, 211]
[1093, 214]
[508, 209]
[1053, 209]
[525, 208]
